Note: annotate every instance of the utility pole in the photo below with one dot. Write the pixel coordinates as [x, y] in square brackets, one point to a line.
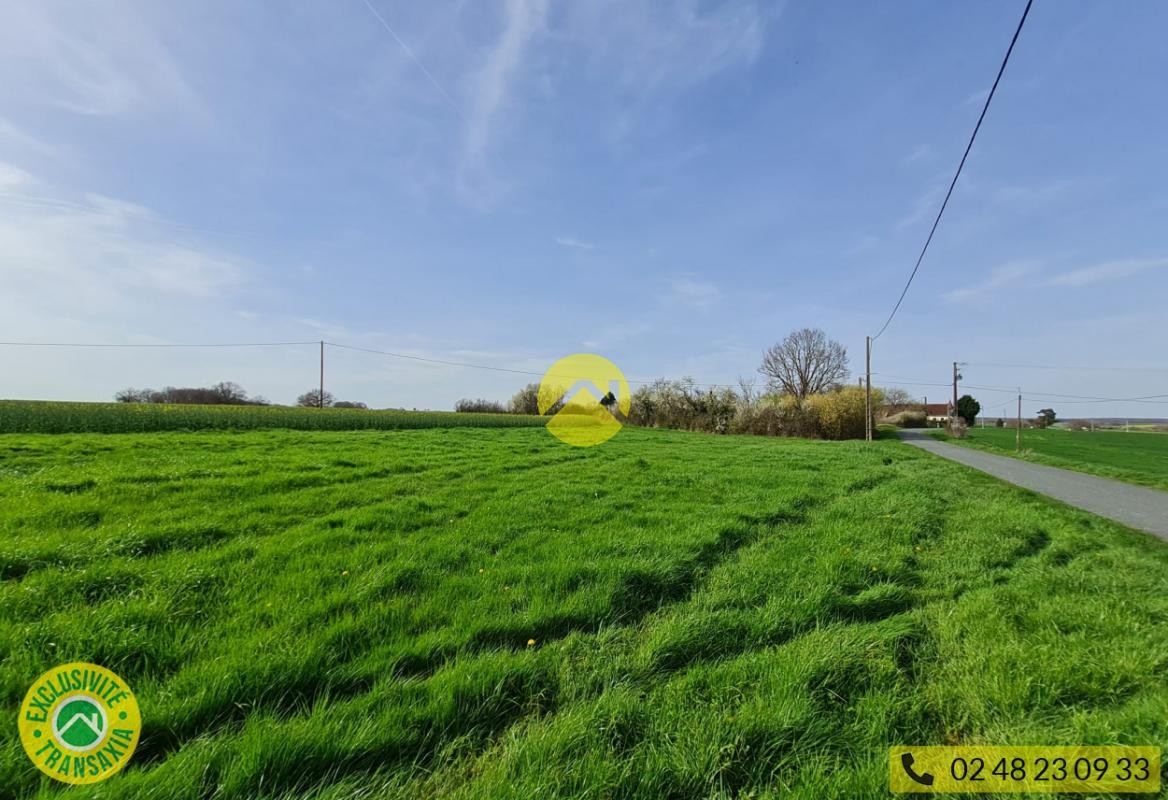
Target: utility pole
[1018, 424]
[868, 389]
[953, 416]
[320, 397]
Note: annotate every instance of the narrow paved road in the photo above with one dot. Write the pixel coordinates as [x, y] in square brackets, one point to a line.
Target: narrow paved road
[1134, 506]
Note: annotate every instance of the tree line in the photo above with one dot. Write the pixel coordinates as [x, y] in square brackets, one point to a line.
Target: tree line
[805, 394]
[225, 393]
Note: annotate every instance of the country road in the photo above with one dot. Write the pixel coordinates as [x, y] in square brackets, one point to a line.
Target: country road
[1134, 506]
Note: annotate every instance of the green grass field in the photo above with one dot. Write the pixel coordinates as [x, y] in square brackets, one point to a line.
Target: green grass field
[348, 614]
[1135, 457]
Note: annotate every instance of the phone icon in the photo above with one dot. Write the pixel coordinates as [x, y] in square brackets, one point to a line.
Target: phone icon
[906, 761]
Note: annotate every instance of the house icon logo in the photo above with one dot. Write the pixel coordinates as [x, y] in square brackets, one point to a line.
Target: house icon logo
[588, 398]
[79, 723]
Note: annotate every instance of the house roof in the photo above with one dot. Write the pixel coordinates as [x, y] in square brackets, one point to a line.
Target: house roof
[937, 409]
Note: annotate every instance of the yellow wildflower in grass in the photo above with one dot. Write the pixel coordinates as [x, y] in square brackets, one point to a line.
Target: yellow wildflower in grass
[531, 642]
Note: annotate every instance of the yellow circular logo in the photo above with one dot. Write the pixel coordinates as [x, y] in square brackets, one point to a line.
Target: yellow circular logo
[79, 723]
[588, 396]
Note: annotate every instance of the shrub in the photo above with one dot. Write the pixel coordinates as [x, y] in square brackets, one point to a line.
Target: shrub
[682, 405]
[479, 406]
[907, 419]
[840, 414]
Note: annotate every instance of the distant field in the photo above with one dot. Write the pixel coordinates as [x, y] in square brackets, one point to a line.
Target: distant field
[32, 416]
[348, 615]
[1135, 457]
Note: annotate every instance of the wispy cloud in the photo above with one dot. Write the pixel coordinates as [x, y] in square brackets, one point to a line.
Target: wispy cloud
[649, 46]
[976, 98]
[866, 244]
[574, 244]
[522, 20]
[921, 152]
[689, 291]
[100, 260]
[925, 208]
[1107, 271]
[999, 278]
[88, 60]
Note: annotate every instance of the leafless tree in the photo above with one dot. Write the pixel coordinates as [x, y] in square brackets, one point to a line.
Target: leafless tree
[312, 399]
[229, 393]
[897, 398]
[805, 363]
[132, 395]
[747, 390]
[469, 405]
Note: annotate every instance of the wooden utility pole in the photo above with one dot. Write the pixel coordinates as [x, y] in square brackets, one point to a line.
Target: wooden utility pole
[868, 389]
[320, 397]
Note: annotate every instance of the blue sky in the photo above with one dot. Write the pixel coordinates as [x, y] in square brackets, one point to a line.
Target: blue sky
[674, 185]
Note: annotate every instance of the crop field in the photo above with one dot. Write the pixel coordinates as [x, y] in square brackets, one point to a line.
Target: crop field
[1135, 457]
[34, 416]
[488, 613]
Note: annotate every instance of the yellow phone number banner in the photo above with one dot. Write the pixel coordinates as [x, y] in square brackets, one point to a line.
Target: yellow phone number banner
[986, 768]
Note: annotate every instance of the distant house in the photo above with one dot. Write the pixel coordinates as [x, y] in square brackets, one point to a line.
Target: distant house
[936, 413]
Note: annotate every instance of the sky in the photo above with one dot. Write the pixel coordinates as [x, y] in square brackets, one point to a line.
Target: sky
[673, 184]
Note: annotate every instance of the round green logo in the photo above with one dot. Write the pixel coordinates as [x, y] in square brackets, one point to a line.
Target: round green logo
[79, 723]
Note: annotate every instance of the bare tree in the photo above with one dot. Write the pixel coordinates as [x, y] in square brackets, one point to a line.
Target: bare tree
[747, 390]
[897, 398]
[229, 393]
[805, 363]
[479, 406]
[312, 399]
[132, 395]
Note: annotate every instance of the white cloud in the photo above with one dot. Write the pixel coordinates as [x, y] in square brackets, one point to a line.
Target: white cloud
[16, 138]
[999, 278]
[977, 98]
[523, 19]
[12, 177]
[90, 59]
[574, 244]
[102, 260]
[647, 46]
[866, 244]
[922, 152]
[689, 291]
[925, 208]
[1107, 271]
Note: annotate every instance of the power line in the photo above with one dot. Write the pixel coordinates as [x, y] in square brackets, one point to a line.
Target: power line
[439, 361]
[1034, 396]
[956, 175]
[469, 365]
[120, 345]
[1068, 369]
[1148, 398]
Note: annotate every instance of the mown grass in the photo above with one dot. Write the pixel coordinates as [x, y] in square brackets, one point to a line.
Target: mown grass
[1135, 457]
[35, 416]
[347, 615]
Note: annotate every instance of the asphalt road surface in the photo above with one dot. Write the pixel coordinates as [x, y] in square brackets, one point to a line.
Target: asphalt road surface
[1134, 506]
